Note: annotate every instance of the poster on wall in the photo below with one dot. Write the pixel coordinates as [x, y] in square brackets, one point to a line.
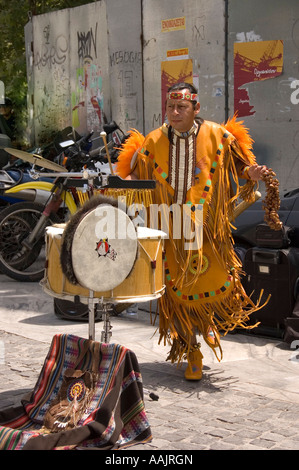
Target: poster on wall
[254, 61]
[174, 71]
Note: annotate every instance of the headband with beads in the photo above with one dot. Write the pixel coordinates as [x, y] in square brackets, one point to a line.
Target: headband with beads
[182, 95]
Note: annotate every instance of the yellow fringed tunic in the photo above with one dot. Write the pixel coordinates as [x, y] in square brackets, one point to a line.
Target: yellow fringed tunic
[203, 288]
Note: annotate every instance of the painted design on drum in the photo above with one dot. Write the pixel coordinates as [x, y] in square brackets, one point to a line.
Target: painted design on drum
[103, 248]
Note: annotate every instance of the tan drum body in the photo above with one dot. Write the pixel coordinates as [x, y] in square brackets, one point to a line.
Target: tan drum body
[145, 282]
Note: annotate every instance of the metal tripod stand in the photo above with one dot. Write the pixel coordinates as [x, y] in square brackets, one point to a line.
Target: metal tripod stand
[107, 309]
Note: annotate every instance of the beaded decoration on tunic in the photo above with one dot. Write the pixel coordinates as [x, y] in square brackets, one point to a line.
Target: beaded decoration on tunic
[182, 162]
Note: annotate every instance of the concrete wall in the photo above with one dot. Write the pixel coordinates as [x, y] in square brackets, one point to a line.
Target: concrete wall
[89, 61]
[203, 36]
[69, 80]
[89, 66]
[51, 61]
[85, 68]
[125, 63]
[275, 123]
[113, 59]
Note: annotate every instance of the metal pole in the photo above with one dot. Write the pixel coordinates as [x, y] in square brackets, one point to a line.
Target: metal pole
[91, 315]
[104, 135]
[106, 333]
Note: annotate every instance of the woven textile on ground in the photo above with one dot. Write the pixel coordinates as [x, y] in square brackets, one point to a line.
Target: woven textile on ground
[114, 416]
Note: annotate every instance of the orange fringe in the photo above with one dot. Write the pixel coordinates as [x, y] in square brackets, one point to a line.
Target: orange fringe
[177, 321]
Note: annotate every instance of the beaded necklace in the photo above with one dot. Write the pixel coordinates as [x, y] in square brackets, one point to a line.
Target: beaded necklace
[182, 161]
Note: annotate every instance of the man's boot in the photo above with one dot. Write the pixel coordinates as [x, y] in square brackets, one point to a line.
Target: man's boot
[194, 367]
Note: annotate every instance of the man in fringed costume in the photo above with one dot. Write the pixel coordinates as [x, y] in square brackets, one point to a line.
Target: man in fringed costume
[194, 163]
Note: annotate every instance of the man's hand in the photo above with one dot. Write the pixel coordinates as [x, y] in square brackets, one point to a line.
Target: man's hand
[256, 172]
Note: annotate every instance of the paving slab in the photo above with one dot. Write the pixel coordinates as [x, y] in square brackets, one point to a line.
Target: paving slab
[248, 401]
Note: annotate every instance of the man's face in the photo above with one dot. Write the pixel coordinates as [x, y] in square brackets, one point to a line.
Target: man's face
[181, 114]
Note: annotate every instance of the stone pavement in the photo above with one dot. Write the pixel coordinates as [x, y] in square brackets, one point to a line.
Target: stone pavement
[249, 401]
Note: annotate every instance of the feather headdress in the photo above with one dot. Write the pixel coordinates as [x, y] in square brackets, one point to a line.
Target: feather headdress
[132, 144]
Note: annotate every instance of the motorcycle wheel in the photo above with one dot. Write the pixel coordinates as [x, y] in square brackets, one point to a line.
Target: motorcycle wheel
[16, 223]
[76, 311]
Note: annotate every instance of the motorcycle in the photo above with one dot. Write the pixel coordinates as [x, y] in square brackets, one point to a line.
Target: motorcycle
[65, 147]
[18, 171]
[15, 176]
[22, 224]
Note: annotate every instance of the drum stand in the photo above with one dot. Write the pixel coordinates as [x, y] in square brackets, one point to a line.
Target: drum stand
[106, 333]
[107, 310]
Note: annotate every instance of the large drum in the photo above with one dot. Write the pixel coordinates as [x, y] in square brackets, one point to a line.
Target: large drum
[118, 269]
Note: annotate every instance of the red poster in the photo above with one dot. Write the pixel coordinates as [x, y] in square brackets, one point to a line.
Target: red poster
[254, 61]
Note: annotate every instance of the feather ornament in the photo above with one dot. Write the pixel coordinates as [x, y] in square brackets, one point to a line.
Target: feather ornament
[241, 134]
[128, 149]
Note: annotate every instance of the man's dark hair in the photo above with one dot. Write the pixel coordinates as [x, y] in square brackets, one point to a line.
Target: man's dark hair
[182, 86]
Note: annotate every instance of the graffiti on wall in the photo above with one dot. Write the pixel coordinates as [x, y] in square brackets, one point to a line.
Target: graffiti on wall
[51, 53]
[126, 68]
[51, 94]
[56, 104]
[87, 97]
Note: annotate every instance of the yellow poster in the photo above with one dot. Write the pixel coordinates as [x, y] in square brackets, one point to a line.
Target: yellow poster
[174, 71]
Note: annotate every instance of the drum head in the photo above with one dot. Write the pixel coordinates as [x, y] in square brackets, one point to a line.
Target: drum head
[104, 248]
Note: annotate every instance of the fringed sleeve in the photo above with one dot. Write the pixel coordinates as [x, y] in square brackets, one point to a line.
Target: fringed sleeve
[243, 157]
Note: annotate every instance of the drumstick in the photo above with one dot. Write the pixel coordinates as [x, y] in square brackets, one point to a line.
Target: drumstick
[104, 135]
[245, 204]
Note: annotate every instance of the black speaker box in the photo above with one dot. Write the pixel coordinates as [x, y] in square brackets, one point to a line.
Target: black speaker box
[275, 271]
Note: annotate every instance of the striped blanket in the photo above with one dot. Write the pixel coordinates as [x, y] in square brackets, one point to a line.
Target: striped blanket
[115, 416]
